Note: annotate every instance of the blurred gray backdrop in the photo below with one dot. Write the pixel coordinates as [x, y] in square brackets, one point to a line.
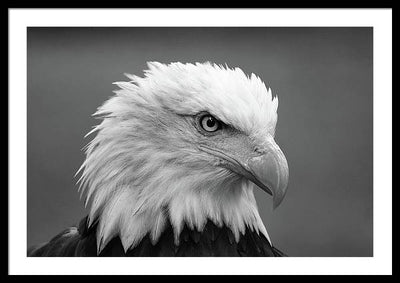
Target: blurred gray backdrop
[322, 76]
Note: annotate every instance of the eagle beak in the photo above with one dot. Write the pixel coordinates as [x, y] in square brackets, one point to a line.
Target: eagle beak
[270, 171]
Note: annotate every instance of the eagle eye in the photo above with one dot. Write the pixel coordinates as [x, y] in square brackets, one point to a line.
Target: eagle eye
[209, 123]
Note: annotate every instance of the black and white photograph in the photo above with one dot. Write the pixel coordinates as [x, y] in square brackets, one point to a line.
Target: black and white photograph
[200, 141]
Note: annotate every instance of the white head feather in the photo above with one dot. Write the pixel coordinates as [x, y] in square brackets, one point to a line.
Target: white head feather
[143, 168]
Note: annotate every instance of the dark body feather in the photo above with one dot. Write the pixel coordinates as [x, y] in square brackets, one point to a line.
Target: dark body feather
[212, 241]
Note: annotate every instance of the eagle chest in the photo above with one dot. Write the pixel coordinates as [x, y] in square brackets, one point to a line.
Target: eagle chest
[212, 241]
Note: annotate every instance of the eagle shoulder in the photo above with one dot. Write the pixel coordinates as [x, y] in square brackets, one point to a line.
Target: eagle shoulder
[213, 241]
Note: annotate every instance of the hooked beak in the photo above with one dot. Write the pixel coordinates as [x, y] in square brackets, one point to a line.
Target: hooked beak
[268, 170]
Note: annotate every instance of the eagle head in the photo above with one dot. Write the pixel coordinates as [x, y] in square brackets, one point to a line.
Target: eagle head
[186, 143]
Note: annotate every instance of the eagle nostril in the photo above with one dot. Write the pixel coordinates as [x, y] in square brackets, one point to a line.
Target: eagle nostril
[259, 150]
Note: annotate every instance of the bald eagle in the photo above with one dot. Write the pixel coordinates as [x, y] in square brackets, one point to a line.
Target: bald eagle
[173, 164]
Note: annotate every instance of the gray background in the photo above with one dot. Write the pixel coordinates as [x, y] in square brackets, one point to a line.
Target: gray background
[323, 77]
